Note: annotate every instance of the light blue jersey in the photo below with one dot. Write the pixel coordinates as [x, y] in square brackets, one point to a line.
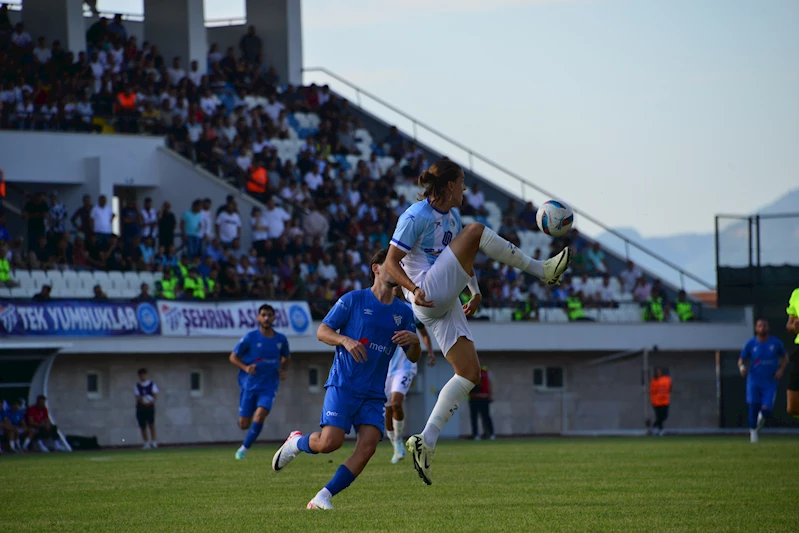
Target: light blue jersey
[422, 233]
[361, 316]
[400, 363]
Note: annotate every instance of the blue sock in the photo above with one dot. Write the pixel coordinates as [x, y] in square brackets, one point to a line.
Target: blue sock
[255, 430]
[304, 444]
[766, 413]
[341, 480]
[753, 410]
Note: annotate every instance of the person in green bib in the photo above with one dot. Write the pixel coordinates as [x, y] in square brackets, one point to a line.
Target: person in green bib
[167, 287]
[193, 285]
[683, 308]
[655, 307]
[793, 328]
[574, 307]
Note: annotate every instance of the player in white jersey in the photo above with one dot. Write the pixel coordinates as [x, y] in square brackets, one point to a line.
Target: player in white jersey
[401, 372]
[432, 257]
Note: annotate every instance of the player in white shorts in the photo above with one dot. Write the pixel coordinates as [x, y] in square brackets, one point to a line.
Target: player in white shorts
[432, 258]
[401, 372]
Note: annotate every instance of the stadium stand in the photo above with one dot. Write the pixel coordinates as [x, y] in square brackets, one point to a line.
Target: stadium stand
[332, 190]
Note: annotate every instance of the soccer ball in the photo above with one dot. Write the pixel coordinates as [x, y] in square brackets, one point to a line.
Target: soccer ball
[555, 218]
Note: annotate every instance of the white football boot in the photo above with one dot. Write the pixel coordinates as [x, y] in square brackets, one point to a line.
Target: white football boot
[554, 267]
[319, 503]
[287, 452]
[422, 457]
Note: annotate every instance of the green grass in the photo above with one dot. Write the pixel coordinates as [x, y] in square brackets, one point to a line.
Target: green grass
[550, 485]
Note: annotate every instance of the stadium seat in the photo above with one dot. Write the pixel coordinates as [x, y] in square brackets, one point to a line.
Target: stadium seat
[85, 279]
[23, 277]
[39, 278]
[132, 281]
[71, 278]
[23, 292]
[117, 280]
[5, 292]
[54, 277]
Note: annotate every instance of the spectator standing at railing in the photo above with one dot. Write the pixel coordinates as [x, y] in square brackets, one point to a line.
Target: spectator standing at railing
[149, 219]
[228, 225]
[629, 277]
[191, 229]
[102, 217]
[35, 213]
[595, 259]
[475, 200]
[250, 46]
[166, 226]
[131, 221]
[56, 218]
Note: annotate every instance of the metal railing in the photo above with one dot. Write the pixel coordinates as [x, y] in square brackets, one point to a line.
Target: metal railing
[523, 182]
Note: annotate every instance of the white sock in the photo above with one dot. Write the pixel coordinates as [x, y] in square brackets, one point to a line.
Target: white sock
[506, 252]
[390, 436]
[450, 397]
[27, 443]
[399, 425]
[324, 494]
[242, 448]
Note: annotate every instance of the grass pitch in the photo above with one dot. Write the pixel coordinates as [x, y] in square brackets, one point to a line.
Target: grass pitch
[549, 485]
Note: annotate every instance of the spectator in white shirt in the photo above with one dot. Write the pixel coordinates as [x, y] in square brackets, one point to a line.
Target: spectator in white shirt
[85, 110]
[326, 270]
[195, 76]
[352, 196]
[244, 160]
[374, 167]
[207, 223]
[642, 290]
[42, 53]
[259, 228]
[314, 178]
[98, 70]
[475, 199]
[273, 108]
[228, 225]
[605, 292]
[629, 276]
[261, 143]
[102, 219]
[194, 128]
[276, 218]
[314, 223]
[209, 102]
[149, 219]
[175, 73]
[20, 38]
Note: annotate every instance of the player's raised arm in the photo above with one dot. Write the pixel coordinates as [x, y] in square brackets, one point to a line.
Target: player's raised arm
[409, 229]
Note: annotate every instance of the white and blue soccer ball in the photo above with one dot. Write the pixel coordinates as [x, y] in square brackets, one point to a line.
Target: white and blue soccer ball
[555, 218]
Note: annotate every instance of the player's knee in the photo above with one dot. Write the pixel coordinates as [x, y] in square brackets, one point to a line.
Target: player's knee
[472, 374]
[474, 230]
[244, 424]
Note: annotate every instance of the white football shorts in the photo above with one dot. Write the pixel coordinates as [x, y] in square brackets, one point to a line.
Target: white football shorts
[398, 382]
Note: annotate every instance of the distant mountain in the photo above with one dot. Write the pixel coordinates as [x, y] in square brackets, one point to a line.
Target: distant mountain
[696, 252]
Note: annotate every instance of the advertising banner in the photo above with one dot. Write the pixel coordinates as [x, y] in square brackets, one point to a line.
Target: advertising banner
[68, 318]
[229, 319]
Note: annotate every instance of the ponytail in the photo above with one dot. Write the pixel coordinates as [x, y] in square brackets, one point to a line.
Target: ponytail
[434, 180]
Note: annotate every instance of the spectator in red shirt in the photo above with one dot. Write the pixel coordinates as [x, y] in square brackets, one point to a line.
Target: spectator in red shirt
[38, 418]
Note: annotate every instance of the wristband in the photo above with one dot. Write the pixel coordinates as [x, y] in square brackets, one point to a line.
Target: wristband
[414, 289]
[474, 287]
[742, 368]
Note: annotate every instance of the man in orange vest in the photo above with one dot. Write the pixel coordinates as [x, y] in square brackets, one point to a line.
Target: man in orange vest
[479, 402]
[660, 396]
[257, 181]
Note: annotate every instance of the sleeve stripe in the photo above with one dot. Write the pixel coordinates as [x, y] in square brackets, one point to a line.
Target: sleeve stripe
[400, 245]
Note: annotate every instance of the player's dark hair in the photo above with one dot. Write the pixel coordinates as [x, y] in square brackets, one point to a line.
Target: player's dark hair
[266, 307]
[142, 371]
[378, 259]
[434, 180]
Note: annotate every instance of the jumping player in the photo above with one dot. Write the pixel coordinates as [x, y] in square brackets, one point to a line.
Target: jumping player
[432, 259]
[371, 324]
[767, 361]
[262, 357]
[401, 372]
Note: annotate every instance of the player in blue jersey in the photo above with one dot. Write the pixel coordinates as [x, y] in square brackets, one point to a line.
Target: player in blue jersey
[13, 421]
[767, 361]
[366, 327]
[432, 257]
[262, 357]
[401, 372]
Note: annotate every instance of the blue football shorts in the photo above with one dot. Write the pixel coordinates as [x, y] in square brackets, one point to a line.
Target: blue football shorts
[344, 411]
[249, 400]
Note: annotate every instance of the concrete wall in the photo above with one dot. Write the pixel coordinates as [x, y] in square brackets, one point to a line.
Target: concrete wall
[75, 158]
[608, 397]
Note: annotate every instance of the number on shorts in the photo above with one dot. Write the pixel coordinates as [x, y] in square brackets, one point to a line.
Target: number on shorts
[447, 238]
[406, 381]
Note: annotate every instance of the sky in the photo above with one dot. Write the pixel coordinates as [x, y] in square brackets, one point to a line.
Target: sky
[650, 114]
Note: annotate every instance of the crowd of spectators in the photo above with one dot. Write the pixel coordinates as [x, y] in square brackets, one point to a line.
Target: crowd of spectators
[322, 220]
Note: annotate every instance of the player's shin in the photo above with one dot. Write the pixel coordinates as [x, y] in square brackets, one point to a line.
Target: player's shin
[340, 480]
[506, 252]
[450, 397]
[754, 409]
[252, 434]
[304, 444]
[399, 425]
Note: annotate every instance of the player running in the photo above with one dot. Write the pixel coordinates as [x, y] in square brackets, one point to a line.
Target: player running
[768, 360]
[262, 357]
[431, 256]
[371, 323]
[401, 372]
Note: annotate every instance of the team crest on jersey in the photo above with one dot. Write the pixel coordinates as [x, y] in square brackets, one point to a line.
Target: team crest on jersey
[258, 345]
[367, 312]
[398, 319]
[279, 345]
[452, 223]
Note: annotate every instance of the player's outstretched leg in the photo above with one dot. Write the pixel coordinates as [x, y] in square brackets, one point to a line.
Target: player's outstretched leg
[329, 440]
[365, 446]
[477, 237]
